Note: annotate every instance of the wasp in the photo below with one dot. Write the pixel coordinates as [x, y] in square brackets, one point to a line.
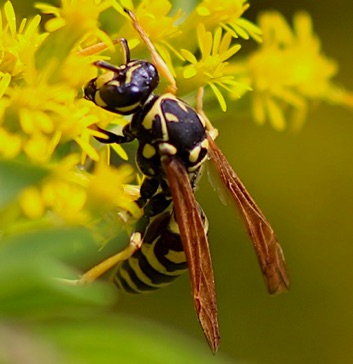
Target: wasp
[174, 141]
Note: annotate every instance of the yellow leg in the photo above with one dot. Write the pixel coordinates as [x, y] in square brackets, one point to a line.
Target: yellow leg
[157, 59]
[95, 272]
[96, 48]
[199, 108]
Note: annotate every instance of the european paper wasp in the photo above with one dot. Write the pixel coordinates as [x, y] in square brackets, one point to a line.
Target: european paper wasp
[174, 141]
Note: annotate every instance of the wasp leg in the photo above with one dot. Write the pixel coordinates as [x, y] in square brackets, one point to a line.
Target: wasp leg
[112, 138]
[99, 47]
[107, 264]
[157, 59]
[155, 206]
[148, 188]
[199, 108]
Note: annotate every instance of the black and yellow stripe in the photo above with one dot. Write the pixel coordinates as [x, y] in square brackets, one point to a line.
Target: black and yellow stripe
[160, 260]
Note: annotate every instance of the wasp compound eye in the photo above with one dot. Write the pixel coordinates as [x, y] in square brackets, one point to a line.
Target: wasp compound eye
[90, 90]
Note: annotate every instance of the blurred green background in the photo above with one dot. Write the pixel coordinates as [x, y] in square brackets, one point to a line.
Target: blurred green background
[303, 183]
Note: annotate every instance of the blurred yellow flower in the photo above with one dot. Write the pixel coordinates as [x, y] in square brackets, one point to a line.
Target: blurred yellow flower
[289, 69]
[17, 43]
[160, 27]
[72, 196]
[228, 15]
[45, 121]
[81, 15]
[215, 50]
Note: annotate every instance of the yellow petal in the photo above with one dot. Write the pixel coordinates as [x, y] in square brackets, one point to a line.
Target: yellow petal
[10, 17]
[219, 96]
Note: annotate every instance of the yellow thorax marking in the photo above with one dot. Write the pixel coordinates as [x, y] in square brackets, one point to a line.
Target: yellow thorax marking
[148, 151]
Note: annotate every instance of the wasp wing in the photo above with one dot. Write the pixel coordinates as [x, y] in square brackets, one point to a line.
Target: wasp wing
[196, 249]
[267, 247]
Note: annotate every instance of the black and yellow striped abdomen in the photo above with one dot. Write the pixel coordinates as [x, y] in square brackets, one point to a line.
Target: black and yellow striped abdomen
[160, 260]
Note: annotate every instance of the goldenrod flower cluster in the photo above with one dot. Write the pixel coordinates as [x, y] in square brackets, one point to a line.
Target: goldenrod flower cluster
[46, 124]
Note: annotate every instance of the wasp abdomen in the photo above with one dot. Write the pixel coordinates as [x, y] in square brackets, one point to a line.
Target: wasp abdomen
[159, 262]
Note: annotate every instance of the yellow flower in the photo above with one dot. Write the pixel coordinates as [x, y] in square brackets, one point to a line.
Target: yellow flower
[106, 188]
[17, 44]
[10, 144]
[288, 69]
[31, 202]
[160, 27]
[210, 69]
[154, 19]
[228, 15]
[62, 194]
[78, 15]
[39, 106]
[73, 196]
[44, 120]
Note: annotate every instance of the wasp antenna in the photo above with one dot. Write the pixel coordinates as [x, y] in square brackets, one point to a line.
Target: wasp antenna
[107, 66]
[126, 50]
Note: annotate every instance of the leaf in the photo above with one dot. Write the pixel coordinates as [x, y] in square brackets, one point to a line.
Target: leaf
[55, 323]
[30, 265]
[114, 339]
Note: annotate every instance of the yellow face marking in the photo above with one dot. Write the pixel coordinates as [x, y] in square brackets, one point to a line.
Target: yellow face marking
[148, 151]
[114, 83]
[104, 78]
[99, 101]
[194, 154]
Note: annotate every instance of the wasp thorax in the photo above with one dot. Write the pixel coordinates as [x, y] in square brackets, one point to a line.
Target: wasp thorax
[125, 89]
